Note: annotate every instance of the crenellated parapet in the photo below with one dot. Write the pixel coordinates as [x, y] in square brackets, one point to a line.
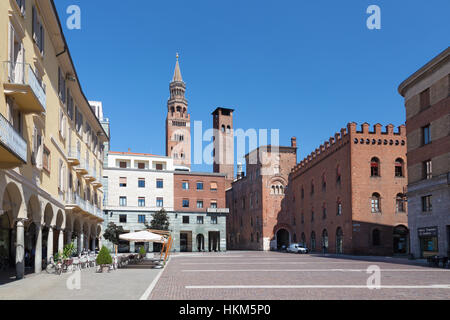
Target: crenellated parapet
[388, 136]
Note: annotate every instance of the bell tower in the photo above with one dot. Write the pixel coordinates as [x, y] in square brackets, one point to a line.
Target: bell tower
[178, 122]
[223, 142]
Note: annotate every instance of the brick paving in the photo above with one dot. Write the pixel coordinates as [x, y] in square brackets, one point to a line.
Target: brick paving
[186, 272]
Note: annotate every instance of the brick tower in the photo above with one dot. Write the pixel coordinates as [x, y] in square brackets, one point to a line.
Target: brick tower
[223, 142]
[178, 123]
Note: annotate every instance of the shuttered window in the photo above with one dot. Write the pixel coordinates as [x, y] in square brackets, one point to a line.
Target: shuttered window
[213, 186]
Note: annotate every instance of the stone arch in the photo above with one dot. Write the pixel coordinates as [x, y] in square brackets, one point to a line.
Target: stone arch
[60, 220]
[12, 202]
[48, 215]
[34, 209]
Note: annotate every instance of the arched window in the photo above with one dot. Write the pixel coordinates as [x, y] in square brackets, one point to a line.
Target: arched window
[178, 109]
[303, 193]
[312, 186]
[324, 182]
[312, 214]
[252, 237]
[400, 203]
[295, 238]
[303, 239]
[257, 237]
[313, 241]
[228, 129]
[376, 237]
[303, 218]
[399, 167]
[375, 167]
[339, 207]
[223, 128]
[324, 211]
[375, 203]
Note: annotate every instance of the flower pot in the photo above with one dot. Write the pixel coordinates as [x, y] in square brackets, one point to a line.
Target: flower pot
[104, 268]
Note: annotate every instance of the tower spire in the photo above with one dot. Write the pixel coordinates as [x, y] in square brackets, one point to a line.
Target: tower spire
[177, 74]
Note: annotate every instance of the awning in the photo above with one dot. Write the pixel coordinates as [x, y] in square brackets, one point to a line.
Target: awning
[142, 236]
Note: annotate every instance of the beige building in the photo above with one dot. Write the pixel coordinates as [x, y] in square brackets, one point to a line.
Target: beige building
[427, 102]
[51, 153]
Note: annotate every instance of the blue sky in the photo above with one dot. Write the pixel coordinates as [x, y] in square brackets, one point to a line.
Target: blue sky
[304, 67]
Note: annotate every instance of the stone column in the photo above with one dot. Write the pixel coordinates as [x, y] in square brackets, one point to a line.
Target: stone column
[38, 253]
[61, 241]
[50, 243]
[93, 244]
[20, 250]
[80, 242]
[131, 246]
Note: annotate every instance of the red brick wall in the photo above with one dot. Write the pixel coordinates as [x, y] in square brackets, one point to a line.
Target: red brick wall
[193, 194]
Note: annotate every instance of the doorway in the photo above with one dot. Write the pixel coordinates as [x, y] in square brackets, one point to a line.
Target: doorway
[282, 238]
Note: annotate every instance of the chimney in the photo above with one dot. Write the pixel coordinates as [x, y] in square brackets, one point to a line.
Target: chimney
[294, 142]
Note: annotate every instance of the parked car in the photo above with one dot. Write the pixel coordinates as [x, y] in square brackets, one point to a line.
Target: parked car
[297, 248]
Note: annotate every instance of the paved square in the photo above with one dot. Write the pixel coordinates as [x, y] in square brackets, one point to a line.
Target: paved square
[243, 275]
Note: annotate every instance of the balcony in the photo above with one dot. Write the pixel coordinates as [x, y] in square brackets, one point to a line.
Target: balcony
[76, 203]
[74, 157]
[218, 210]
[82, 168]
[21, 83]
[13, 148]
[97, 183]
[89, 176]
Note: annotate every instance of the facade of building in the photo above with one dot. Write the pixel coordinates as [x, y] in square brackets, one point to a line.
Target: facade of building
[51, 153]
[178, 122]
[348, 195]
[138, 186]
[199, 221]
[427, 102]
[256, 200]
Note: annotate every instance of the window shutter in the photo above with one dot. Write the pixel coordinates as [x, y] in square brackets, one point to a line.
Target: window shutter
[122, 180]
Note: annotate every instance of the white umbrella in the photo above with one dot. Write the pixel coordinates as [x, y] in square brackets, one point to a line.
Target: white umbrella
[142, 236]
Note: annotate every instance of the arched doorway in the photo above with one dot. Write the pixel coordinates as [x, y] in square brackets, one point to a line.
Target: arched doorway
[200, 242]
[339, 241]
[325, 241]
[400, 238]
[282, 238]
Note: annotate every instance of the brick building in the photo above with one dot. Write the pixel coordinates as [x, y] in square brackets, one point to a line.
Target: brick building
[256, 200]
[199, 222]
[348, 195]
[427, 102]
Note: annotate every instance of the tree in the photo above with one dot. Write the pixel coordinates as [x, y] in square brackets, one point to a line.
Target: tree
[160, 221]
[113, 232]
[104, 257]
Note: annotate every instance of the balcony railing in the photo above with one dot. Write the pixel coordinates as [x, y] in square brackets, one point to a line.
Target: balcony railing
[74, 200]
[21, 82]
[14, 147]
[74, 156]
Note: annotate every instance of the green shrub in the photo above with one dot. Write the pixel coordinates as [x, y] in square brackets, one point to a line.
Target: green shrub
[104, 257]
[142, 251]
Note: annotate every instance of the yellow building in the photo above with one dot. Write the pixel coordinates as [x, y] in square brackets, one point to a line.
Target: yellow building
[51, 142]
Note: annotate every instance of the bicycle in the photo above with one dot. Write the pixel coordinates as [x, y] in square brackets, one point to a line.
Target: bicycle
[53, 267]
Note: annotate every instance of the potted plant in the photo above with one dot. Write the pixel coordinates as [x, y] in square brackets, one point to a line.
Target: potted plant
[142, 252]
[104, 259]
